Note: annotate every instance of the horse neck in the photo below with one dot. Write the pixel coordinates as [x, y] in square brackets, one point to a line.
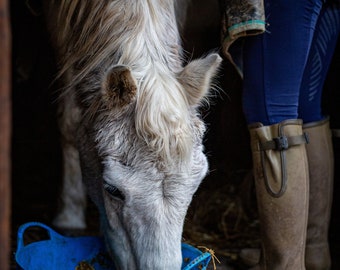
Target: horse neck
[156, 38]
[129, 32]
[93, 35]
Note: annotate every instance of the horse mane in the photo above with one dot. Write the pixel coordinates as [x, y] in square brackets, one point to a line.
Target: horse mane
[92, 35]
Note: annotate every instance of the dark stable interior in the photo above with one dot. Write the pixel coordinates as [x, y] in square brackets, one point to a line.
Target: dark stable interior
[223, 214]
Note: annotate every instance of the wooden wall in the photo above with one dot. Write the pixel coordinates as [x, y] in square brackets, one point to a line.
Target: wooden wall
[5, 133]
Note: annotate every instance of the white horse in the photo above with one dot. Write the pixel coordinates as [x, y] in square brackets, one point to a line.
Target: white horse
[128, 116]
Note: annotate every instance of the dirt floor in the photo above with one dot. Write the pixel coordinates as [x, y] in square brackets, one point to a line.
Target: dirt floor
[222, 216]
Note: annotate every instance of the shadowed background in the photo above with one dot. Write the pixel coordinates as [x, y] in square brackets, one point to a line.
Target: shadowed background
[223, 213]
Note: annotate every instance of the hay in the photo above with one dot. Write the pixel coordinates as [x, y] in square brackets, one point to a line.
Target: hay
[84, 266]
[224, 218]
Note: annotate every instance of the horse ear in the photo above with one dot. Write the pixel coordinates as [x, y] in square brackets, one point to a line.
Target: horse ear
[119, 87]
[196, 77]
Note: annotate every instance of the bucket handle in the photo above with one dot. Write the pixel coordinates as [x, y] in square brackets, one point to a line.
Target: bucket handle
[21, 231]
[204, 258]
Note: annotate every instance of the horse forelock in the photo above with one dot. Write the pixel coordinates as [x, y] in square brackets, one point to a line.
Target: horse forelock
[163, 120]
[160, 118]
[94, 35]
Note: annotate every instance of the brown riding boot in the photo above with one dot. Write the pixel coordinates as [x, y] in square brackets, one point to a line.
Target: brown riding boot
[321, 170]
[281, 181]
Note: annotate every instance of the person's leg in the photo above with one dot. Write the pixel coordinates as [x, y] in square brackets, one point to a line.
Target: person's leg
[321, 170]
[321, 52]
[273, 69]
[281, 183]
[274, 62]
[320, 148]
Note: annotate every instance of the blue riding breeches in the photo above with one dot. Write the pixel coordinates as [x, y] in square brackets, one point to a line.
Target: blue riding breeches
[285, 68]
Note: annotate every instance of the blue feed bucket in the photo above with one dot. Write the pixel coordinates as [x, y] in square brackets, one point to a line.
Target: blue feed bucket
[72, 253]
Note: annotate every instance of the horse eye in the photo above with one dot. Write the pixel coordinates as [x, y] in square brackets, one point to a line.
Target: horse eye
[114, 191]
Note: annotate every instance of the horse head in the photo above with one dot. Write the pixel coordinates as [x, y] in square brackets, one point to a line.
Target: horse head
[149, 161]
[129, 111]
